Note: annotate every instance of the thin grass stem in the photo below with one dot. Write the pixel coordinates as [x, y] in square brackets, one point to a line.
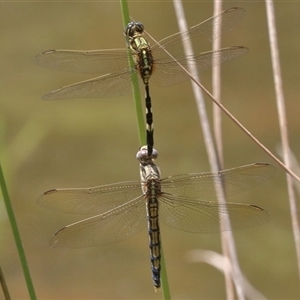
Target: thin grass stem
[227, 237]
[17, 237]
[216, 88]
[4, 285]
[228, 244]
[282, 121]
[135, 82]
[164, 277]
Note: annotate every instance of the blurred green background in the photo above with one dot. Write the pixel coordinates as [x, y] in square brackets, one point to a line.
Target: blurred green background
[88, 142]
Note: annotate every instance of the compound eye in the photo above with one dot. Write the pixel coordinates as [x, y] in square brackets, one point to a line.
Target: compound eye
[154, 153]
[143, 156]
[133, 28]
[139, 27]
[142, 153]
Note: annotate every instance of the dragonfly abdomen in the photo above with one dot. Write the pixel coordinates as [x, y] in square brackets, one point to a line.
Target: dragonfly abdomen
[154, 232]
[149, 121]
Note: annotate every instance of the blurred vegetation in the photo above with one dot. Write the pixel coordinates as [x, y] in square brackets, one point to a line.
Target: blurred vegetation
[87, 142]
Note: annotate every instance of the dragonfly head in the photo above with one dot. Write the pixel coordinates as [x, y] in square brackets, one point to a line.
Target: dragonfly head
[143, 157]
[133, 29]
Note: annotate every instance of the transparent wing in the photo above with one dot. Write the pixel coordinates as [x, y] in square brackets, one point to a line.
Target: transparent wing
[111, 85]
[197, 216]
[111, 60]
[114, 61]
[198, 34]
[208, 185]
[113, 226]
[168, 72]
[94, 200]
[93, 61]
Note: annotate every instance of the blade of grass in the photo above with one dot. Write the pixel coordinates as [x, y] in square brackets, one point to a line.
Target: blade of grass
[142, 137]
[135, 82]
[164, 277]
[4, 285]
[17, 237]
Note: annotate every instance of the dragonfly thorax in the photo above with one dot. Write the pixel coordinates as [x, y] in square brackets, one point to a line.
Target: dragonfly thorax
[140, 48]
[148, 170]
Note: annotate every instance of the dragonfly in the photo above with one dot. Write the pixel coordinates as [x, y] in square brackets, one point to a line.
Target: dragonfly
[186, 202]
[150, 61]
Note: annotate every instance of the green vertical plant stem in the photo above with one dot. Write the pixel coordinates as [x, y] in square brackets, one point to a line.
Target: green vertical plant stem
[142, 136]
[17, 237]
[4, 286]
[135, 83]
[164, 277]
